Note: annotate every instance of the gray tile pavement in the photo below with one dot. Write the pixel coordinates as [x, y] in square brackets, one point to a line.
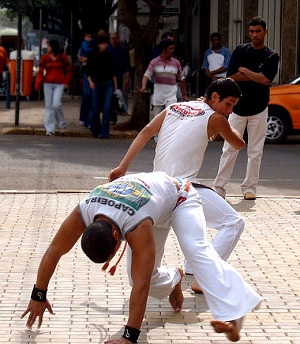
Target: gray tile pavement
[92, 306]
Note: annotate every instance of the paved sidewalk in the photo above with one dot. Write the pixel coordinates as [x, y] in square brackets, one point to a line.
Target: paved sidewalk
[31, 119]
[92, 306]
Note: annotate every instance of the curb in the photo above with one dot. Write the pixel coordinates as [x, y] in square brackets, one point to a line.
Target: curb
[114, 134]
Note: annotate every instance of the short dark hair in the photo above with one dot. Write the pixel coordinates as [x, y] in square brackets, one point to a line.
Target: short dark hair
[165, 43]
[225, 87]
[258, 21]
[215, 34]
[100, 40]
[167, 34]
[56, 49]
[97, 241]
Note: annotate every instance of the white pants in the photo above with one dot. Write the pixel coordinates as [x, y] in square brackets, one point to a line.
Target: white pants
[256, 128]
[228, 296]
[220, 215]
[53, 112]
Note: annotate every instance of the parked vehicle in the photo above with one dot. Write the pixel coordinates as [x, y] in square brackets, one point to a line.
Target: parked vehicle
[284, 111]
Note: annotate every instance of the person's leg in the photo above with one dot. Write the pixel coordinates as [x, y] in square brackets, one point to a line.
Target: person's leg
[96, 107]
[86, 102]
[108, 90]
[57, 105]
[220, 215]
[228, 296]
[257, 128]
[229, 155]
[49, 122]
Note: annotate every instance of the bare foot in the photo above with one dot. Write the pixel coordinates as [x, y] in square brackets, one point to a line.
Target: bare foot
[196, 288]
[230, 328]
[176, 297]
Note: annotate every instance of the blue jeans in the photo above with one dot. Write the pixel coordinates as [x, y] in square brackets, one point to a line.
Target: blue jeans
[101, 100]
[53, 110]
[86, 103]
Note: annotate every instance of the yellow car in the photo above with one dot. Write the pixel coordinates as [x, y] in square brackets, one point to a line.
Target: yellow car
[284, 111]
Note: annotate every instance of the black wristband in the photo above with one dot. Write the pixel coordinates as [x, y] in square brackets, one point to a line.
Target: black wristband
[38, 294]
[131, 334]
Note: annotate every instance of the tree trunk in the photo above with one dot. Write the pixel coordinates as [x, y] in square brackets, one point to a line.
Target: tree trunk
[143, 39]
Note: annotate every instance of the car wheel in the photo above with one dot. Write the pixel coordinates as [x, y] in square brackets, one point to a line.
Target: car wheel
[277, 127]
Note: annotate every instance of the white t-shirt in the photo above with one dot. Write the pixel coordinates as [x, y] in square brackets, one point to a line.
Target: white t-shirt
[131, 199]
[182, 139]
[216, 61]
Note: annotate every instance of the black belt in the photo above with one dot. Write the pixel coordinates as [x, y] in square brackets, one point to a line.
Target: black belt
[201, 186]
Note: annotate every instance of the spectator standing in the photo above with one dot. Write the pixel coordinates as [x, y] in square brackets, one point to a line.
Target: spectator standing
[122, 68]
[86, 103]
[156, 51]
[100, 71]
[216, 59]
[164, 71]
[55, 73]
[253, 66]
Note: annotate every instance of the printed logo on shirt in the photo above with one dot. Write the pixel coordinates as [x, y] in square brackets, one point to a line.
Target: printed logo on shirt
[130, 193]
[184, 111]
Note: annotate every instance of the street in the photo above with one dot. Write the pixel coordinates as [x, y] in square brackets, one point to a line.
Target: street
[31, 162]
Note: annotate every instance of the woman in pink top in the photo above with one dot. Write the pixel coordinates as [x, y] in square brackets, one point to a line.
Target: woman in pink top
[55, 73]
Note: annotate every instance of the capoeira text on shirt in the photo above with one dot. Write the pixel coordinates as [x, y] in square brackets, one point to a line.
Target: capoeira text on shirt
[128, 196]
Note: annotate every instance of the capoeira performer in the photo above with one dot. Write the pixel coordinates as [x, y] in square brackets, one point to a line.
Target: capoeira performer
[184, 130]
[138, 208]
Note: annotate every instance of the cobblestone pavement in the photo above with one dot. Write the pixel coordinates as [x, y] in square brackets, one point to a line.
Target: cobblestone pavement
[92, 306]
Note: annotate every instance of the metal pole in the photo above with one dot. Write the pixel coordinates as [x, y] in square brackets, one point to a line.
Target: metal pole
[71, 39]
[40, 44]
[7, 90]
[18, 70]
[21, 10]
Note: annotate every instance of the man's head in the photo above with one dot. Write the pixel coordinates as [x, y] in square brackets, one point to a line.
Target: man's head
[101, 32]
[114, 39]
[168, 35]
[101, 42]
[222, 95]
[100, 241]
[167, 47]
[215, 39]
[257, 32]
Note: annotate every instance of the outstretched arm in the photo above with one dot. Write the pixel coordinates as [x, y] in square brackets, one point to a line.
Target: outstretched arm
[141, 242]
[68, 234]
[137, 145]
